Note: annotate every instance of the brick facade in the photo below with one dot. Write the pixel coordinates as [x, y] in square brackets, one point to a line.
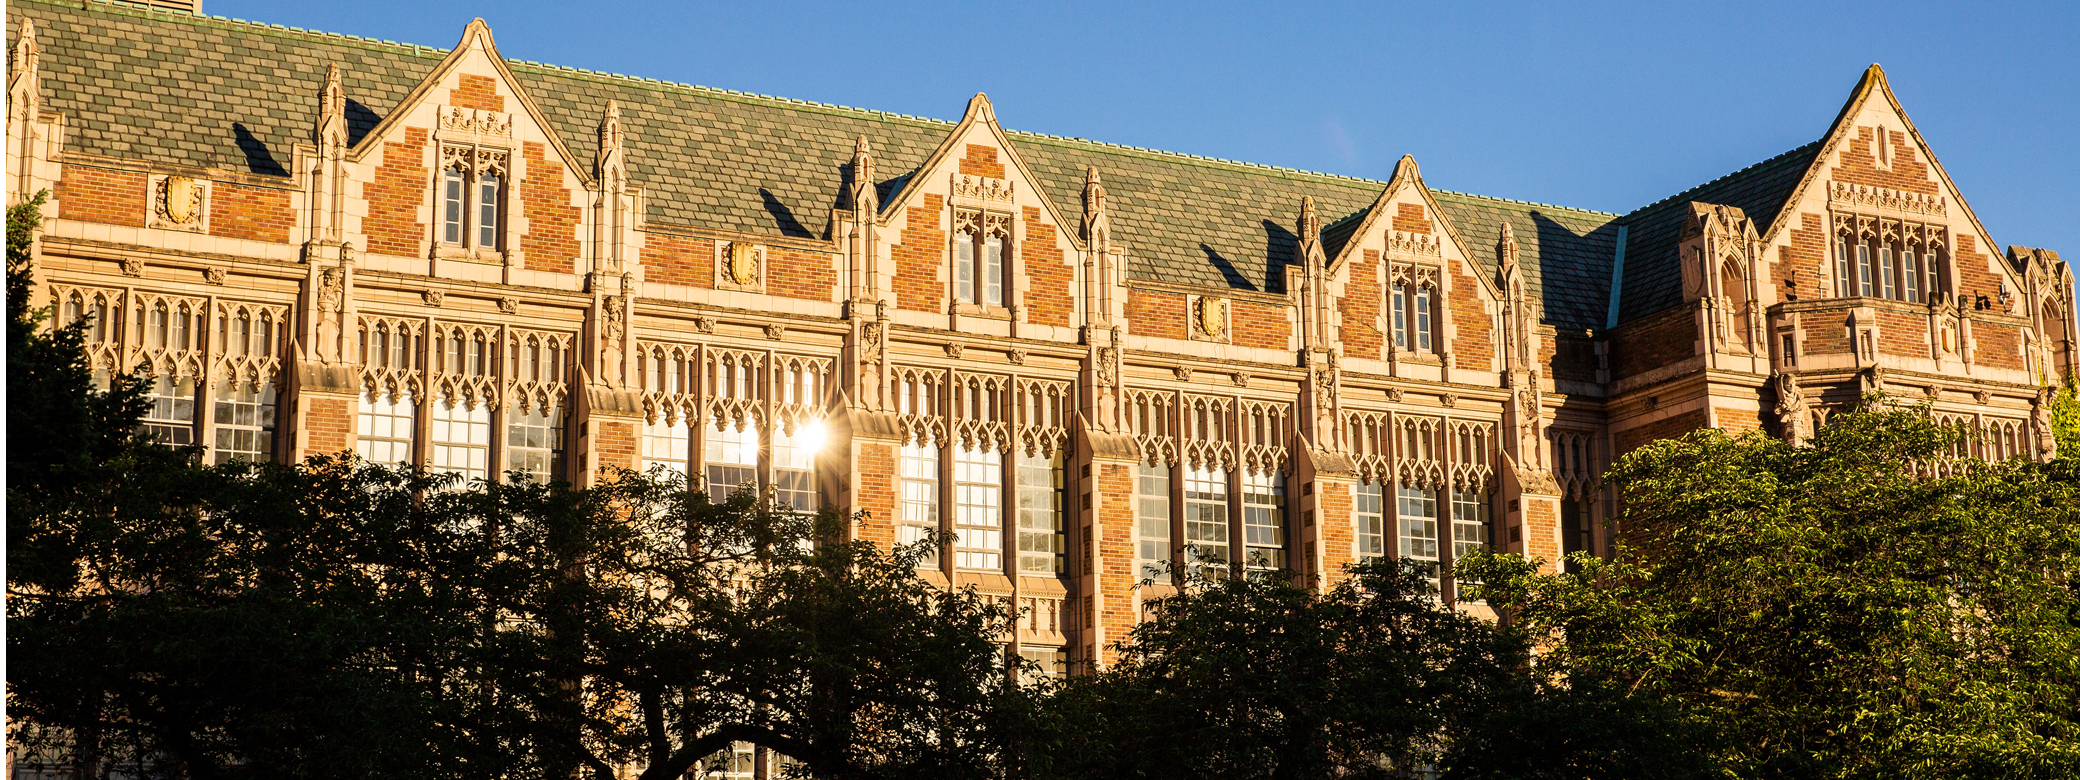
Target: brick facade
[1360, 307]
[1156, 314]
[670, 259]
[101, 195]
[982, 161]
[795, 273]
[1409, 217]
[328, 426]
[1261, 325]
[1473, 349]
[253, 213]
[1048, 298]
[920, 283]
[399, 189]
[1657, 341]
[552, 222]
[478, 92]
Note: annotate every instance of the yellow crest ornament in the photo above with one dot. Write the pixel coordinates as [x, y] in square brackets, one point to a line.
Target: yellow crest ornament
[182, 198]
[743, 263]
[1213, 317]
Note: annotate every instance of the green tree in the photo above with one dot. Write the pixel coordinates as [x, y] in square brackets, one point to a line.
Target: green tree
[1863, 607]
[1258, 676]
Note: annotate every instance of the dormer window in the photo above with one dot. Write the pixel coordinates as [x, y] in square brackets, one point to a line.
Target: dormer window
[1414, 314]
[472, 199]
[978, 257]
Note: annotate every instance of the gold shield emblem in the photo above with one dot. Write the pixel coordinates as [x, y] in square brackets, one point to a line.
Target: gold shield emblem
[1213, 316]
[181, 193]
[743, 264]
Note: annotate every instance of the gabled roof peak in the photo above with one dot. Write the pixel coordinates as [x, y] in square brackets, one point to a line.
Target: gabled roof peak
[979, 109]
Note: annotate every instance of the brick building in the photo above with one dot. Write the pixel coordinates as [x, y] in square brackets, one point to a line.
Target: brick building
[1073, 358]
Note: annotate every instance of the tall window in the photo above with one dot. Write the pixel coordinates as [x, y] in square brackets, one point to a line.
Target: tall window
[1369, 515]
[1842, 281]
[1864, 284]
[1152, 521]
[978, 257]
[1910, 273]
[1470, 530]
[244, 422]
[534, 443]
[1886, 273]
[1206, 516]
[920, 498]
[170, 415]
[1041, 544]
[668, 444]
[1264, 520]
[1575, 530]
[383, 433]
[1423, 320]
[472, 197]
[794, 466]
[1418, 524]
[732, 458]
[1399, 299]
[462, 439]
[978, 502]
[1049, 662]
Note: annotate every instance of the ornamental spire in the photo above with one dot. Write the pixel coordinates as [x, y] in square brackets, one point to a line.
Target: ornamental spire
[865, 198]
[612, 172]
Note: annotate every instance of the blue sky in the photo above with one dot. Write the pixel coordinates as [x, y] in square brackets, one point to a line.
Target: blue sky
[1592, 105]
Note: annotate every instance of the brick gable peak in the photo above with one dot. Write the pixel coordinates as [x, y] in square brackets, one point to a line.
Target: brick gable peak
[1408, 179]
[980, 116]
[476, 42]
[1873, 85]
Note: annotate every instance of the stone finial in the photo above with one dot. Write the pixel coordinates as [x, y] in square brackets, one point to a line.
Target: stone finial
[1508, 246]
[23, 94]
[1310, 225]
[980, 110]
[1407, 167]
[865, 199]
[331, 132]
[477, 30]
[1093, 194]
[608, 157]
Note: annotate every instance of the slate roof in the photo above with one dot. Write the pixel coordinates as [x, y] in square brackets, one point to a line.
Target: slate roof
[1653, 273]
[213, 92]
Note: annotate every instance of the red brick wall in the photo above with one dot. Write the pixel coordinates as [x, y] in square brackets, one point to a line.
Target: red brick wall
[1156, 314]
[614, 446]
[1048, 300]
[1658, 341]
[238, 211]
[982, 161]
[1360, 306]
[1737, 421]
[1541, 519]
[1799, 261]
[326, 424]
[1115, 550]
[799, 274]
[1975, 271]
[101, 195]
[876, 488]
[1335, 527]
[1573, 359]
[1261, 325]
[921, 258]
[1903, 334]
[1474, 349]
[394, 197]
[1997, 345]
[1825, 333]
[670, 259]
[1857, 163]
[1667, 428]
[478, 92]
[552, 222]
[1408, 217]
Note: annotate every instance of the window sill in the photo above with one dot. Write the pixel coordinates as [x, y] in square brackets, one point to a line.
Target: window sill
[469, 254]
[1419, 358]
[982, 310]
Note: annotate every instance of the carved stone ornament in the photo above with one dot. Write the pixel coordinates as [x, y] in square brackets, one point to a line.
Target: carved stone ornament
[215, 275]
[434, 297]
[509, 305]
[1933, 391]
[1983, 397]
[1210, 317]
[1242, 379]
[1651, 402]
[742, 263]
[953, 351]
[1394, 394]
[776, 331]
[177, 203]
[2040, 421]
[1016, 356]
[704, 324]
[132, 266]
[1184, 373]
[1449, 399]
[1792, 411]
